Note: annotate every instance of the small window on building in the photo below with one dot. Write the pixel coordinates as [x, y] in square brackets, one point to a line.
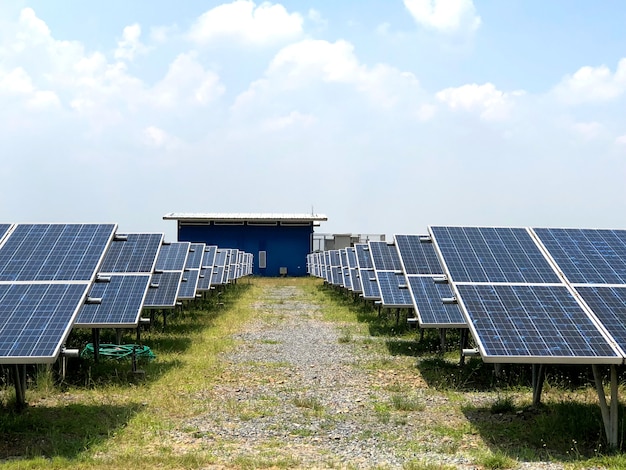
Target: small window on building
[262, 259]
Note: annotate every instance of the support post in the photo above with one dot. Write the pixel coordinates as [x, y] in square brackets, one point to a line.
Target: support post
[609, 415]
[118, 336]
[95, 340]
[539, 374]
[19, 379]
[442, 338]
[464, 332]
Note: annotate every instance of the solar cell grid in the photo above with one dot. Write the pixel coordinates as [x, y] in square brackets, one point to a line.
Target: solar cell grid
[195, 256]
[165, 293]
[417, 257]
[431, 311]
[521, 323]
[609, 305]
[364, 257]
[122, 301]
[394, 291]
[484, 254]
[59, 252]
[587, 256]
[136, 254]
[172, 256]
[369, 284]
[384, 256]
[189, 284]
[35, 319]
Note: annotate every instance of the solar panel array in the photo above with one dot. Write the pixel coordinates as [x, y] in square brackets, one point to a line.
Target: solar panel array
[536, 295]
[45, 273]
[54, 277]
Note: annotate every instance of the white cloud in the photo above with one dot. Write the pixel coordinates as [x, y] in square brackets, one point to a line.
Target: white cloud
[294, 118]
[130, 45]
[186, 83]
[248, 23]
[593, 84]
[621, 140]
[487, 100]
[156, 137]
[446, 16]
[588, 130]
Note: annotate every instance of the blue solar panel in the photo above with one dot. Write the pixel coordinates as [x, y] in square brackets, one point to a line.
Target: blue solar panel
[479, 254]
[587, 256]
[189, 284]
[429, 307]
[59, 252]
[385, 257]
[195, 256]
[394, 290]
[363, 256]
[540, 323]
[172, 256]
[35, 320]
[163, 290]
[122, 299]
[4, 228]
[135, 253]
[351, 257]
[354, 278]
[217, 277]
[369, 284]
[609, 306]
[205, 277]
[417, 256]
[210, 256]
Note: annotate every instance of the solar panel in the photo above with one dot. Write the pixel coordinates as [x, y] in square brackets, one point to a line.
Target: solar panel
[4, 228]
[35, 320]
[217, 277]
[384, 256]
[122, 299]
[587, 256]
[163, 290]
[541, 323]
[417, 256]
[394, 290]
[189, 284]
[354, 278]
[369, 284]
[195, 256]
[363, 256]
[487, 254]
[132, 253]
[429, 307]
[172, 256]
[59, 252]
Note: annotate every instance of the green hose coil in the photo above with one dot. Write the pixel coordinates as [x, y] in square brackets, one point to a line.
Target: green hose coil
[118, 351]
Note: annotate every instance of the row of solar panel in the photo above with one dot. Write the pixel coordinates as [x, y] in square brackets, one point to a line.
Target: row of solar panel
[537, 295]
[54, 277]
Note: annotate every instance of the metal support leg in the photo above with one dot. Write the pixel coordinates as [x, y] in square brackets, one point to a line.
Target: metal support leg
[118, 336]
[442, 338]
[19, 379]
[464, 332]
[95, 340]
[539, 374]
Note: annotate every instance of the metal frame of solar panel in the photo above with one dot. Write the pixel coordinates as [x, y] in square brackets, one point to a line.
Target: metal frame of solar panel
[166, 280]
[394, 292]
[346, 281]
[122, 282]
[427, 283]
[517, 306]
[45, 274]
[367, 276]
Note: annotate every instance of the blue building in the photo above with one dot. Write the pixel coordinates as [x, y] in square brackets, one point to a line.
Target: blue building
[279, 242]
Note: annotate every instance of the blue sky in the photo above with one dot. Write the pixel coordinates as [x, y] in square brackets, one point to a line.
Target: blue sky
[387, 116]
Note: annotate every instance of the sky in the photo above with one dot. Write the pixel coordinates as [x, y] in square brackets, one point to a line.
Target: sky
[387, 116]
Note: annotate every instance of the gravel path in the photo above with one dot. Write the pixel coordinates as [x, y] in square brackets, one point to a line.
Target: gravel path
[310, 400]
